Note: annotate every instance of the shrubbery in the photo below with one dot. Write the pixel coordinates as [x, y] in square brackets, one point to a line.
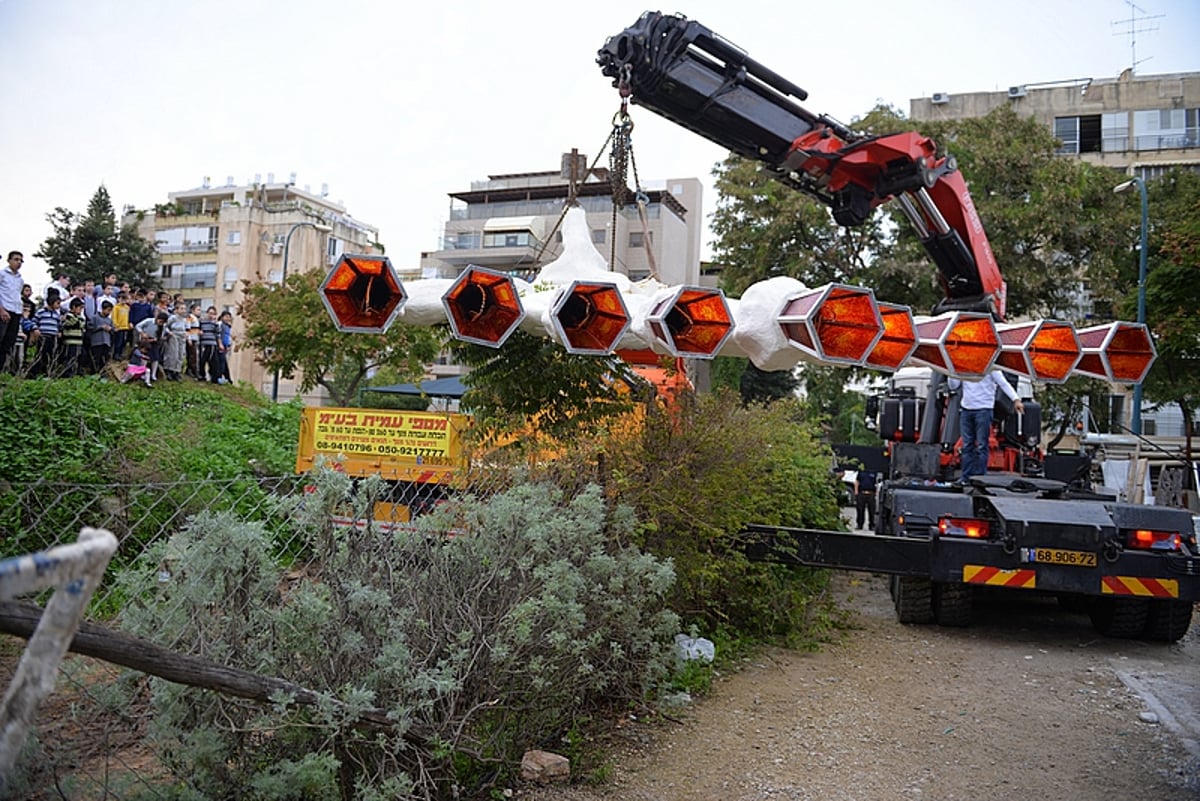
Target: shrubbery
[85, 452]
[84, 430]
[477, 645]
[695, 474]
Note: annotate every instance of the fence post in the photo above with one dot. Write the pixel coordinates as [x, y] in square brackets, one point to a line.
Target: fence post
[75, 570]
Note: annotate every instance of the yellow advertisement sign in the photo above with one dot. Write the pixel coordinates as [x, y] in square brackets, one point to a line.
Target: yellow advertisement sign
[381, 438]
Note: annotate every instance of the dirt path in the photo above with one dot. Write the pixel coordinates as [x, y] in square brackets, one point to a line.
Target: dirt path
[1028, 703]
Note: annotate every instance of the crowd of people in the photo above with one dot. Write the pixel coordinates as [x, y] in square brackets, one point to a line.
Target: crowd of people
[83, 328]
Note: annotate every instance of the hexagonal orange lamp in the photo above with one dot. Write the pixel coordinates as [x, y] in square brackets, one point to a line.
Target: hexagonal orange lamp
[589, 317]
[899, 339]
[692, 322]
[835, 323]
[483, 307]
[363, 294]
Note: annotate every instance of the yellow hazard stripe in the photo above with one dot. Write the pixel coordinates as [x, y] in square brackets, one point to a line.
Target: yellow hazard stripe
[1023, 579]
[1132, 585]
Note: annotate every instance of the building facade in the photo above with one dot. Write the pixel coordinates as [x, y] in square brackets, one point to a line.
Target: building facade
[511, 223]
[1137, 124]
[211, 239]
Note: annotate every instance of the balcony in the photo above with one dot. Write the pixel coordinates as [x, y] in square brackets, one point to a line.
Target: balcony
[189, 247]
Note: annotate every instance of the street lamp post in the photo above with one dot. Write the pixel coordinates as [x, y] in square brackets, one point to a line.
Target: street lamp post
[1141, 307]
[287, 244]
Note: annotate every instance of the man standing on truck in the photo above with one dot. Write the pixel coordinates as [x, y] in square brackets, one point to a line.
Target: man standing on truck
[975, 419]
[864, 497]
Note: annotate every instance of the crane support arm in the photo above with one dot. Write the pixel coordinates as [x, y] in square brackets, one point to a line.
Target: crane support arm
[683, 71]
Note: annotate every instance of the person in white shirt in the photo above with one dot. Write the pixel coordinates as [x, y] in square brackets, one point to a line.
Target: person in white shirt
[61, 285]
[975, 419]
[11, 284]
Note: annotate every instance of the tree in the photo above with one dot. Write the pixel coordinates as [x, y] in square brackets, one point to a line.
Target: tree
[765, 229]
[291, 330]
[1173, 294]
[533, 385]
[92, 245]
[764, 386]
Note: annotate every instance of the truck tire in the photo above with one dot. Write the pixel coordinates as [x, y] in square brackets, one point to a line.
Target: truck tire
[952, 604]
[913, 597]
[1168, 621]
[1120, 617]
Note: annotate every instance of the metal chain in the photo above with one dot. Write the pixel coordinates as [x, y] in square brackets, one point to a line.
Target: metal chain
[618, 170]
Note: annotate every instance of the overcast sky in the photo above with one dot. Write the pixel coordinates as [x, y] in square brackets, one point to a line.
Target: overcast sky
[396, 105]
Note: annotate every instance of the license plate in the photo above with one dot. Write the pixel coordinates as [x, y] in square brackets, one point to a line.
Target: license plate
[1059, 556]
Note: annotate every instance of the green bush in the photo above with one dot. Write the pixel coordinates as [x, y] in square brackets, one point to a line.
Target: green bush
[83, 430]
[696, 474]
[484, 632]
[87, 452]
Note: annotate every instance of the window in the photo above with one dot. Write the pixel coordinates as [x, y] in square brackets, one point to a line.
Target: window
[599, 236]
[234, 238]
[168, 270]
[202, 275]
[230, 277]
[1114, 132]
[508, 239]
[1162, 129]
[1078, 134]
[1149, 427]
[637, 239]
[1066, 130]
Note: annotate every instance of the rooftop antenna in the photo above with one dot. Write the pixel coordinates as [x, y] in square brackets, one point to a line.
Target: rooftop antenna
[1133, 24]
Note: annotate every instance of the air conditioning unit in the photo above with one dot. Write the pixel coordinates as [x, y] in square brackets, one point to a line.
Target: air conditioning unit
[1016, 91]
[228, 286]
[940, 98]
[275, 248]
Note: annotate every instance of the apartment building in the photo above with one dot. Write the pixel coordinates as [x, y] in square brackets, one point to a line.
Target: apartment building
[212, 238]
[1137, 124]
[510, 222]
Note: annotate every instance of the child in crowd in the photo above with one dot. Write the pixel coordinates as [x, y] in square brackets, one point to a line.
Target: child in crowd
[71, 329]
[47, 322]
[137, 367]
[121, 325]
[193, 342]
[226, 347]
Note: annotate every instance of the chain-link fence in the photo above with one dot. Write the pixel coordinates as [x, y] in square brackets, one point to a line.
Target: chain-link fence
[90, 739]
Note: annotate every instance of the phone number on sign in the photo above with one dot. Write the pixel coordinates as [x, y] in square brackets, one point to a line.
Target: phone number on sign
[366, 447]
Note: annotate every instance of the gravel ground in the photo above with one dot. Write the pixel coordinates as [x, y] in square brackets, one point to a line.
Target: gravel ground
[1027, 703]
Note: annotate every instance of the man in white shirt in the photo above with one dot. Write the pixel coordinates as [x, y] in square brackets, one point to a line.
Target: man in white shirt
[11, 284]
[61, 285]
[975, 419]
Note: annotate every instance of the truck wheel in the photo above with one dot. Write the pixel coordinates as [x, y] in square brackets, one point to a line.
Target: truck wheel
[1168, 621]
[952, 604]
[1120, 617]
[914, 599]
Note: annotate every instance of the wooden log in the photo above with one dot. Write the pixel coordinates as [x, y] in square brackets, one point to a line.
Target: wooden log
[140, 654]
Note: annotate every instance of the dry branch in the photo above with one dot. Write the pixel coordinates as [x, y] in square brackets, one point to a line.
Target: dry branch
[139, 654]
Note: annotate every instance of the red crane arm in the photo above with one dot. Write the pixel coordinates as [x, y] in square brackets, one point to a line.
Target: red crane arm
[686, 73]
